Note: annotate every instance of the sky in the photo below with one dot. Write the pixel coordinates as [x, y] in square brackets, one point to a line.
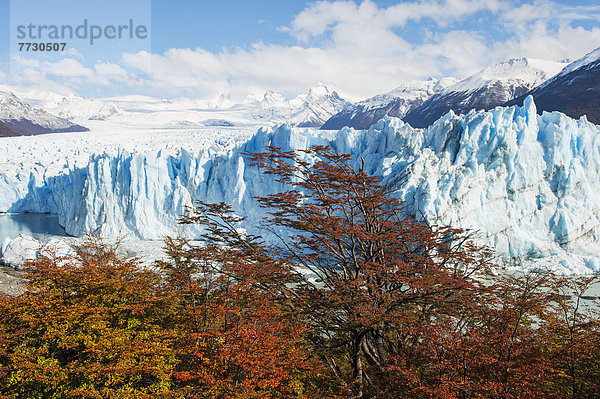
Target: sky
[201, 49]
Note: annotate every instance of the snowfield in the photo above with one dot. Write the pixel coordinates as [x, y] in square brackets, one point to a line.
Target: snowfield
[527, 183]
[309, 110]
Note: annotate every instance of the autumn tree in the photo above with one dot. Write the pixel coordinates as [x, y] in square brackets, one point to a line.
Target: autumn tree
[370, 282]
[236, 338]
[95, 325]
[573, 331]
[393, 306]
[344, 295]
[101, 324]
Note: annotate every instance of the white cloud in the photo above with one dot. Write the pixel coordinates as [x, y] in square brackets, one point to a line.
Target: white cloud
[26, 62]
[324, 15]
[72, 52]
[67, 72]
[66, 68]
[363, 48]
[461, 50]
[111, 71]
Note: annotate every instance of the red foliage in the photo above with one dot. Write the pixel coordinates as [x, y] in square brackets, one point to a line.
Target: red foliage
[356, 300]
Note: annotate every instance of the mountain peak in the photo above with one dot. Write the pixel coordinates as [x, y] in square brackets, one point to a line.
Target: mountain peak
[322, 89]
[590, 58]
[486, 89]
[573, 91]
[524, 70]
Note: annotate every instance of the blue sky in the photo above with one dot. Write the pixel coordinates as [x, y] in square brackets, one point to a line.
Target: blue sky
[214, 25]
[204, 48]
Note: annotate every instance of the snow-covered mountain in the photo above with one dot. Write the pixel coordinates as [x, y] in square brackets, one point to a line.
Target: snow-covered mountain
[80, 108]
[575, 91]
[69, 105]
[274, 106]
[307, 110]
[22, 119]
[397, 102]
[488, 88]
[527, 183]
[321, 102]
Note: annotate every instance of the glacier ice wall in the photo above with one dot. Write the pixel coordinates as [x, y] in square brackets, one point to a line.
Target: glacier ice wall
[144, 193]
[527, 183]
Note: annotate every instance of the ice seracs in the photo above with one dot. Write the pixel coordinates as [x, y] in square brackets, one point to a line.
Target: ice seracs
[526, 183]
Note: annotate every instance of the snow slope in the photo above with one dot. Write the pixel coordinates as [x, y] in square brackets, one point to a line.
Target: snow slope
[25, 120]
[574, 91]
[511, 73]
[308, 110]
[397, 102]
[528, 183]
[488, 88]
[587, 61]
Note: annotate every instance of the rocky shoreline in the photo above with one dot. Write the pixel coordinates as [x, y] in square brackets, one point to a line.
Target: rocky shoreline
[12, 282]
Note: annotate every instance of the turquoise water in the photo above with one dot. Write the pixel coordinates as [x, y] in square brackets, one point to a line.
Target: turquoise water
[36, 225]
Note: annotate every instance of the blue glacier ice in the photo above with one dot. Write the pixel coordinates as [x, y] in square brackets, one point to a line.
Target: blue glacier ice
[528, 184]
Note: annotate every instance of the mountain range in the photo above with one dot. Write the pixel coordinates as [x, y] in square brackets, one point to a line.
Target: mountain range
[306, 110]
[555, 86]
[571, 88]
[397, 102]
[575, 91]
[485, 90]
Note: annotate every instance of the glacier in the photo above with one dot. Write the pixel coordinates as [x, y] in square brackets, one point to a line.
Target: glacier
[526, 183]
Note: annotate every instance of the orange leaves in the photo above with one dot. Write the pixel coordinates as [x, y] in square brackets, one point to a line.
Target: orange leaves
[90, 326]
[396, 307]
[357, 300]
[371, 283]
[234, 337]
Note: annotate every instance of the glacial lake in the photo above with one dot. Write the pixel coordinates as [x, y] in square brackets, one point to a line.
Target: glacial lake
[36, 225]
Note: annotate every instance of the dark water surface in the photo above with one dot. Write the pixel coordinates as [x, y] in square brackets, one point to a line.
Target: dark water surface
[36, 225]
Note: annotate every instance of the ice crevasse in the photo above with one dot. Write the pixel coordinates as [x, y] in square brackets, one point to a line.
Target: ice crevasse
[529, 184]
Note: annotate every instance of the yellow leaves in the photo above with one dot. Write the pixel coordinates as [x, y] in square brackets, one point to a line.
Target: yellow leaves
[90, 329]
